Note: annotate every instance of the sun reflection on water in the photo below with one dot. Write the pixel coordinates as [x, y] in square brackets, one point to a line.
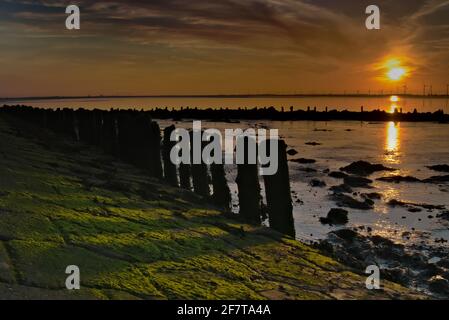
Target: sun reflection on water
[392, 143]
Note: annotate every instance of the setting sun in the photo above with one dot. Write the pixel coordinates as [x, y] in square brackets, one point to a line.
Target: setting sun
[396, 74]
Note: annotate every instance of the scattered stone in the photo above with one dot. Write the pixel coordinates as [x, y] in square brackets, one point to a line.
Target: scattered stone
[346, 234]
[357, 182]
[338, 175]
[364, 168]
[315, 183]
[436, 179]
[372, 196]
[308, 170]
[444, 215]
[444, 263]
[343, 188]
[440, 168]
[343, 200]
[399, 179]
[313, 144]
[304, 161]
[336, 216]
[439, 285]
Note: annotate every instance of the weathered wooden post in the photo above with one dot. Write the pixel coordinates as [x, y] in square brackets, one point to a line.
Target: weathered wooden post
[278, 195]
[185, 176]
[249, 188]
[221, 194]
[170, 173]
[200, 175]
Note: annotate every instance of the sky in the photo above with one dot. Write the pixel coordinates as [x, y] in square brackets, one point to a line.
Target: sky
[179, 47]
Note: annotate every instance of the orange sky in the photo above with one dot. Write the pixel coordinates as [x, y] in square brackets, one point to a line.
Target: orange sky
[221, 47]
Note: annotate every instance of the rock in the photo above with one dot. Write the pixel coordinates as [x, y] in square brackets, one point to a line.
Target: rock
[346, 234]
[338, 175]
[292, 152]
[438, 285]
[364, 168]
[308, 170]
[357, 182]
[444, 263]
[315, 183]
[343, 200]
[336, 216]
[399, 179]
[444, 215]
[436, 179]
[398, 275]
[313, 144]
[372, 196]
[304, 161]
[343, 188]
[414, 210]
[440, 168]
[411, 205]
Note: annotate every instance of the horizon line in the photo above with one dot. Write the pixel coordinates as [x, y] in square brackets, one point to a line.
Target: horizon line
[263, 95]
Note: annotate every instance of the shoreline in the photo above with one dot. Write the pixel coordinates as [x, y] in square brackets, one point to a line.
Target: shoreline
[233, 115]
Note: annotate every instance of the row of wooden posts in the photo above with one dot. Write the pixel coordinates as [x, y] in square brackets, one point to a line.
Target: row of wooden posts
[136, 139]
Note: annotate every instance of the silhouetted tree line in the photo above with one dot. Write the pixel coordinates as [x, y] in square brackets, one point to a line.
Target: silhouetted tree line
[136, 139]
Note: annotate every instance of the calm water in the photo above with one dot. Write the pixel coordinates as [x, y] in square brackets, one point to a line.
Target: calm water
[408, 147]
[338, 103]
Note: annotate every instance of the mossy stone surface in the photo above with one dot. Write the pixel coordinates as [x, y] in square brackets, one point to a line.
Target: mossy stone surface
[133, 237]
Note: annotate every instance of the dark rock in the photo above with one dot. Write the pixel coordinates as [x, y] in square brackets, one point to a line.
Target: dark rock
[346, 234]
[439, 285]
[343, 188]
[440, 168]
[363, 168]
[292, 152]
[308, 170]
[338, 175]
[357, 182]
[315, 183]
[313, 144]
[372, 196]
[444, 215]
[336, 216]
[444, 263]
[436, 179]
[304, 161]
[343, 200]
[399, 179]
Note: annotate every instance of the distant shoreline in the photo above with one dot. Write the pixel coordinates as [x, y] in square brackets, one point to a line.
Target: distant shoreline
[231, 96]
[236, 115]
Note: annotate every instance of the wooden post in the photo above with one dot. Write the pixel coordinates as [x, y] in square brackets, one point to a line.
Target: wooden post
[277, 190]
[249, 189]
[170, 173]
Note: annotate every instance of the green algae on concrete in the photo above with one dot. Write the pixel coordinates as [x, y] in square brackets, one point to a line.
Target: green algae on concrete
[135, 238]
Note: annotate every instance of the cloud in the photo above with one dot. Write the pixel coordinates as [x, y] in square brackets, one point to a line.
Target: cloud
[324, 37]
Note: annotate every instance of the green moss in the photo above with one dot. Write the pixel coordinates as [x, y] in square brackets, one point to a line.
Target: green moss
[134, 238]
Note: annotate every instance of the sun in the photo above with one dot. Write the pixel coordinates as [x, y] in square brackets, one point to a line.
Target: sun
[396, 73]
